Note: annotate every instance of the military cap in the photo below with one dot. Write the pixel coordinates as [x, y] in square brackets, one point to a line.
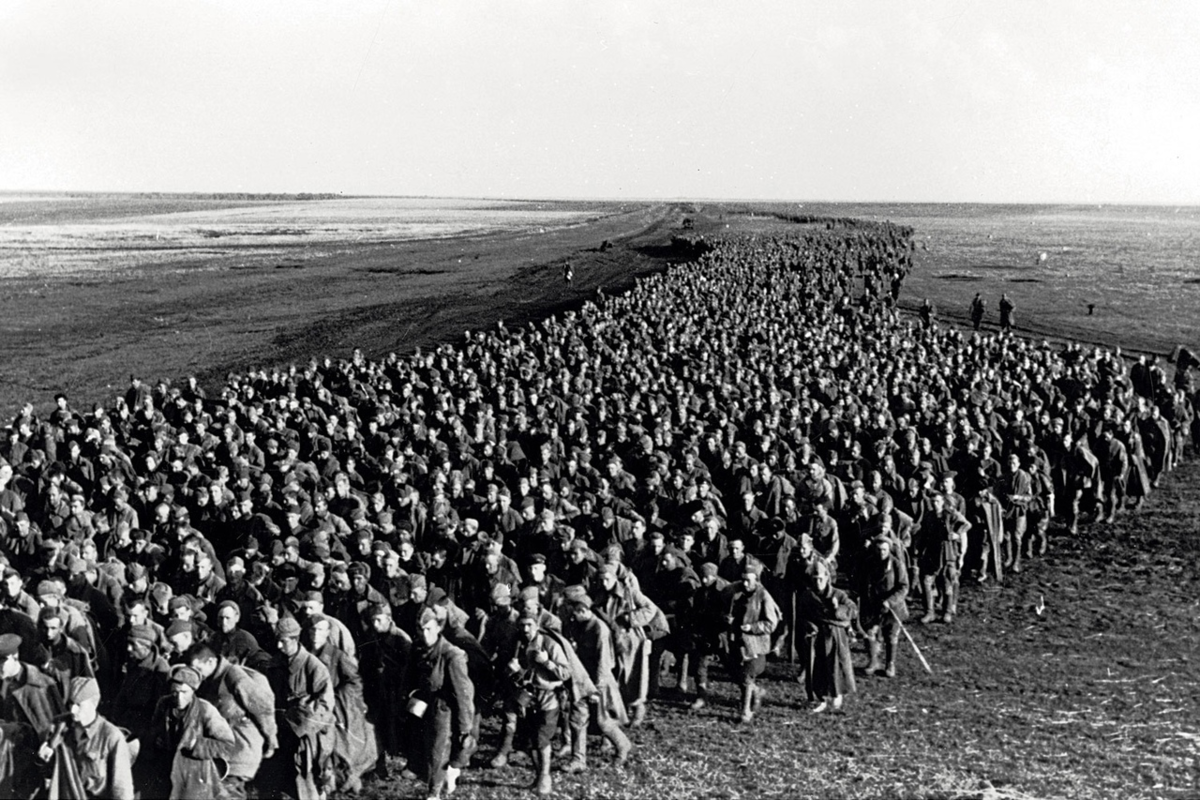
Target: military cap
[287, 570]
[82, 690]
[417, 582]
[50, 588]
[708, 570]
[753, 565]
[501, 594]
[10, 644]
[136, 570]
[185, 675]
[608, 568]
[235, 564]
[143, 633]
[179, 601]
[312, 596]
[180, 626]
[537, 558]
[287, 628]
[432, 613]
[578, 545]
[359, 568]
[578, 595]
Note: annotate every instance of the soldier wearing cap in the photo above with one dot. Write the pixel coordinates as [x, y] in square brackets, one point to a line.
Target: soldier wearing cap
[63, 656]
[100, 754]
[354, 746]
[538, 667]
[753, 617]
[247, 704]
[627, 612]
[143, 681]
[442, 703]
[941, 545]
[304, 699]
[188, 736]
[825, 614]
[883, 588]
[235, 643]
[386, 653]
[592, 641]
[32, 698]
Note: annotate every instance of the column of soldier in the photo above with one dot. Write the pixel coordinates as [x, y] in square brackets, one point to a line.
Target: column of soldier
[278, 588]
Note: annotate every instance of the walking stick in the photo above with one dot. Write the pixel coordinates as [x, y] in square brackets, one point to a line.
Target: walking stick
[908, 636]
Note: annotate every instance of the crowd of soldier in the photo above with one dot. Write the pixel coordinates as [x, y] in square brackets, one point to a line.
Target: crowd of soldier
[279, 587]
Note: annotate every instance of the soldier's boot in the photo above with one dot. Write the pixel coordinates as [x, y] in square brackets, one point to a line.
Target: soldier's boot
[890, 669]
[701, 696]
[950, 607]
[682, 687]
[639, 715]
[873, 666]
[747, 702]
[579, 746]
[506, 746]
[543, 784]
[930, 614]
[757, 695]
[1042, 531]
[612, 732]
[564, 749]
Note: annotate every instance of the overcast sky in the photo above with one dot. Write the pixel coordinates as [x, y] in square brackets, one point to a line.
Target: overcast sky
[932, 101]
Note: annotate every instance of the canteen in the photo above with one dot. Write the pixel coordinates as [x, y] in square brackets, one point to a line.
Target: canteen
[417, 707]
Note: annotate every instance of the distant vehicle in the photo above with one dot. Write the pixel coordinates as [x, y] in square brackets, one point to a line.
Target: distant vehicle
[688, 223]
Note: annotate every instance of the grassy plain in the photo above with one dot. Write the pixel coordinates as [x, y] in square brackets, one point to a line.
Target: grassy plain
[1096, 697]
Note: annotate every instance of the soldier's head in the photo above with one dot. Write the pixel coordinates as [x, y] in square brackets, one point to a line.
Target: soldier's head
[10, 661]
[228, 616]
[319, 631]
[202, 658]
[381, 617]
[822, 576]
[184, 683]
[529, 624]
[751, 575]
[882, 546]
[737, 547]
[50, 625]
[83, 699]
[12, 582]
[287, 633]
[430, 625]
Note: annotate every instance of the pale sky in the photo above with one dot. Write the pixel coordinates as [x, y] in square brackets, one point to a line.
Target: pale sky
[1085, 102]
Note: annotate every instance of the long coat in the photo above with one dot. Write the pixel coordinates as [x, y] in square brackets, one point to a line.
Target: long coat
[758, 610]
[354, 746]
[826, 618]
[187, 744]
[249, 708]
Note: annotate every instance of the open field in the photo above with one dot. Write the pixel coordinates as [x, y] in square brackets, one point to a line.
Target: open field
[1096, 697]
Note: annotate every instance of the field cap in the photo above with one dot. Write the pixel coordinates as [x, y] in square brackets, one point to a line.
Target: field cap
[83, 689]
[287, 628]
[185, 675]
[10, 644]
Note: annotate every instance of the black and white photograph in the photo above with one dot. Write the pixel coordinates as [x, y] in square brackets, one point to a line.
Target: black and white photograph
[653, 400]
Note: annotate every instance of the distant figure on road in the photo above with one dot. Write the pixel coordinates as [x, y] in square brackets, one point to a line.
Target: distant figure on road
[978, 305]
[568, 274]
[928, 311]
[1006, 311]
